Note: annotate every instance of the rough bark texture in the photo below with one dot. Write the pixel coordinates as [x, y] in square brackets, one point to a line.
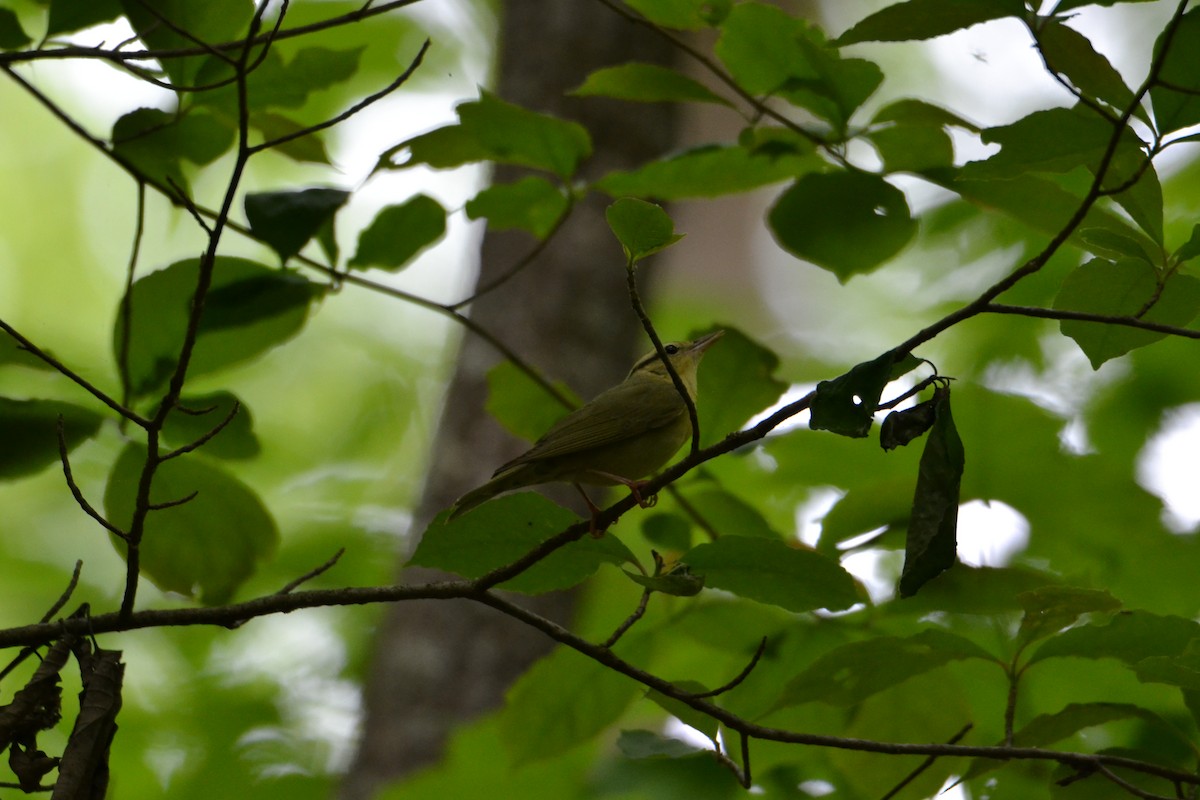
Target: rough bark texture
[437, 664]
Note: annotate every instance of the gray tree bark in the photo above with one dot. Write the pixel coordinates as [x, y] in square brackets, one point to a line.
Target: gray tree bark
[438, 664]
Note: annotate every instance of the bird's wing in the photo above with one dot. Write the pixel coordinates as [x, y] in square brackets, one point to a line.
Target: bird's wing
[627, 410]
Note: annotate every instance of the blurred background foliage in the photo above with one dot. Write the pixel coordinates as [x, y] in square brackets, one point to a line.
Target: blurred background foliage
[344, 412]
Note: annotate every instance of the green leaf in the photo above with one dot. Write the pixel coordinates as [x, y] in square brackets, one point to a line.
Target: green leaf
[685, 15]
[760, 45]
[398, 233]
[736, 383]
[563, 701]
[70, 15]
[520, 404]
[12, 35]
[770, 571]
[1070, 53]
[931, 545]
[308, 148]
[647, 744]
[210, 544]
[846, 405]
[203, 414]
[669, 532]
[729, 515]
[532, 204]
[853, 672]
[845, 222]
[1178, 107]
[709, 171]
[475, 544]
[29, 433]
[156, 143]
[287, 220]
[250, 309]
[976, 590]
[1129, 637]
[645, 83]
[1123, 289]
[1049, 609]
[1191, 248]
[910, 111]
[11, 352]
[1053, 140]
[490, 129]
[1182, 670]
[1113, 244]
[159, 26]
[912, 148]
[275, 84]
[642, 228]
[926, 19]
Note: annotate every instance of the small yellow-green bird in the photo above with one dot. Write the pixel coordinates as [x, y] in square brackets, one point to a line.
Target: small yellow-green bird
[626, 433]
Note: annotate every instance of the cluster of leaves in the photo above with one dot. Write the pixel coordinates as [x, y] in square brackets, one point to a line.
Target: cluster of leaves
[1078, 179]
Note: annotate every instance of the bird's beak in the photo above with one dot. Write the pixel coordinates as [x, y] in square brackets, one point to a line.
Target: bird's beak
[705, 342]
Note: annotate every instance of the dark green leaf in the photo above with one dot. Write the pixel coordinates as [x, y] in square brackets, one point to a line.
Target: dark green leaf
[399, 232]
[532, 204]
[159, 25]
[647, 744]
[236, 440]
[210, 544]
[12, 35]
[1191, 248]
[490, 129]
[1129, 637]
[11, 352]
[251, 308]
[513, 525]
[287, 220]
[770, 571]
[1182, 670]
[910, 111]
[1070, 53]
[71, 15]
[29, 433]
[669, 532]
[912, 148]
[687, 15]
[156, 143]
[736, 382]
[308, 148]
[925, 19]
[274, 84]
[1123, 289]
[1178, 106]
[846, 405]
[901, 427]
[563, 701]
[729, 515]
[845, 222]
[853, 672]
[521, 405]
[642, 228]
[707, 172]
[646, 83]
[883, 506]
[931, 545]
[977, 590]
[1049, 609]
[1113, 244]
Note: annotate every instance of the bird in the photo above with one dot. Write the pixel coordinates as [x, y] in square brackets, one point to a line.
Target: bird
[621, 436]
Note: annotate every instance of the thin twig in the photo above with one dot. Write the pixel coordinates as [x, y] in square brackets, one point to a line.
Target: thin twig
[76, 492]
[926, 764]
[220, 426]
[125, 311]
[350, 112]
[49, 615]
[172, 503]
[294, 584]
[741, 676]
[1086, 316]
[638, 613]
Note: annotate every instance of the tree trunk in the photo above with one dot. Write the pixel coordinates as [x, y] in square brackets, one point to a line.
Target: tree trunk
[438, 664]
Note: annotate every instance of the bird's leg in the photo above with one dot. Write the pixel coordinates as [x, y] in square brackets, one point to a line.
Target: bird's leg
[634, 487]
[593, 511]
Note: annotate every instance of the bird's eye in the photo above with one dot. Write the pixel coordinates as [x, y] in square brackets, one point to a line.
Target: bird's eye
[671, 349]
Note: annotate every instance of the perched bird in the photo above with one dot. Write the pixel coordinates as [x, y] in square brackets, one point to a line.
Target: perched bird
[626, 433]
